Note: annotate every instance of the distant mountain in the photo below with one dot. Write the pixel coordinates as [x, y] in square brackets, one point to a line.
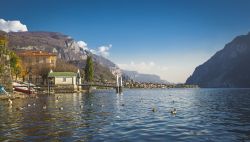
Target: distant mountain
[64, 46]
[138, 77]
[229, 67]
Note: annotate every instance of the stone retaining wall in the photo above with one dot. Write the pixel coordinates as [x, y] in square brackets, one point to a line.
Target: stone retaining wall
[63, 89]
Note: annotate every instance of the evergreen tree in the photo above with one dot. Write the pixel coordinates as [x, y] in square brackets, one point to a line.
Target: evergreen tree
[89, 70]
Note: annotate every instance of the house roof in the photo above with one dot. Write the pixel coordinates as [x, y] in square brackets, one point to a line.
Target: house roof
[62, 74]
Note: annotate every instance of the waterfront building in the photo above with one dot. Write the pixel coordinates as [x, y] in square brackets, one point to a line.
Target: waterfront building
[32, 58]
[36, 65]
[64, 80]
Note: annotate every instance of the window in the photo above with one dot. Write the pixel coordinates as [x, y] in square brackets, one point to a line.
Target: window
[64, 79]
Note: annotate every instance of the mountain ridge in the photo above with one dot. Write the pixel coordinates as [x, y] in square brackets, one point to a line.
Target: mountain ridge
[227, 68]
[63, 45]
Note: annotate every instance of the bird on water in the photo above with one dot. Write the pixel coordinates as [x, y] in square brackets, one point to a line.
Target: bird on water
[173, 112]
[154, 109]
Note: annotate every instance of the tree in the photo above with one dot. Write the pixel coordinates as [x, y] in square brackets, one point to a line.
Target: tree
[43, 71]
[1, 69]
[89, 70]
[14, 60]
[3, 39]
[24, 70]
[102, 79]
[63, 66]
[15, 64]
[17, 71]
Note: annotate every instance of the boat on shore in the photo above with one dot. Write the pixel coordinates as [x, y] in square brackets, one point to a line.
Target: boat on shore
[24, 88]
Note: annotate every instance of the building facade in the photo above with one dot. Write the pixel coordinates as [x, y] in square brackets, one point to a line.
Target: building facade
[37, 64]
[64, 81]
[38, 57]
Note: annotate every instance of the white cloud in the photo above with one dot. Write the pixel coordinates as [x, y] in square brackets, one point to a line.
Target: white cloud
[12, 26]
[93, 51]
[82, 45]
[104, 50]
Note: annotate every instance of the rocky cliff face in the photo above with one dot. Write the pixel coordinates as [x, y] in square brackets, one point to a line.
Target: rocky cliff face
[229, 67]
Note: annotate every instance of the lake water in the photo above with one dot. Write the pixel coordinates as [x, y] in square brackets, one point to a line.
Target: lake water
[202, 115]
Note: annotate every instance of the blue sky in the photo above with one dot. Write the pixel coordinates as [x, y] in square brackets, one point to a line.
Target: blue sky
[168, 38]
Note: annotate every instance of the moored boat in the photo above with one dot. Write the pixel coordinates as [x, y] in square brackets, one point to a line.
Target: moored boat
[23, 88]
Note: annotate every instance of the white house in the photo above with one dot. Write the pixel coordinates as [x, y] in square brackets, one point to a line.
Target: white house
[65, 78]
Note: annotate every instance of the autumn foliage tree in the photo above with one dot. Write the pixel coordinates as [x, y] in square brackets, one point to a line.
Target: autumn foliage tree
[14, 60]
[15, 64]
[3, 49]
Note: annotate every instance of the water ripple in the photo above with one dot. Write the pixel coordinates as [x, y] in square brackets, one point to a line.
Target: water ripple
[137, 115]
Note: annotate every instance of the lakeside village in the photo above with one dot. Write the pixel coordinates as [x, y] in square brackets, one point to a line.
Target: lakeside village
[28, 73]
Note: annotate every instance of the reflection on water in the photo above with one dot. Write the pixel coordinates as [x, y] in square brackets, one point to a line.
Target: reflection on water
[202, 115]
